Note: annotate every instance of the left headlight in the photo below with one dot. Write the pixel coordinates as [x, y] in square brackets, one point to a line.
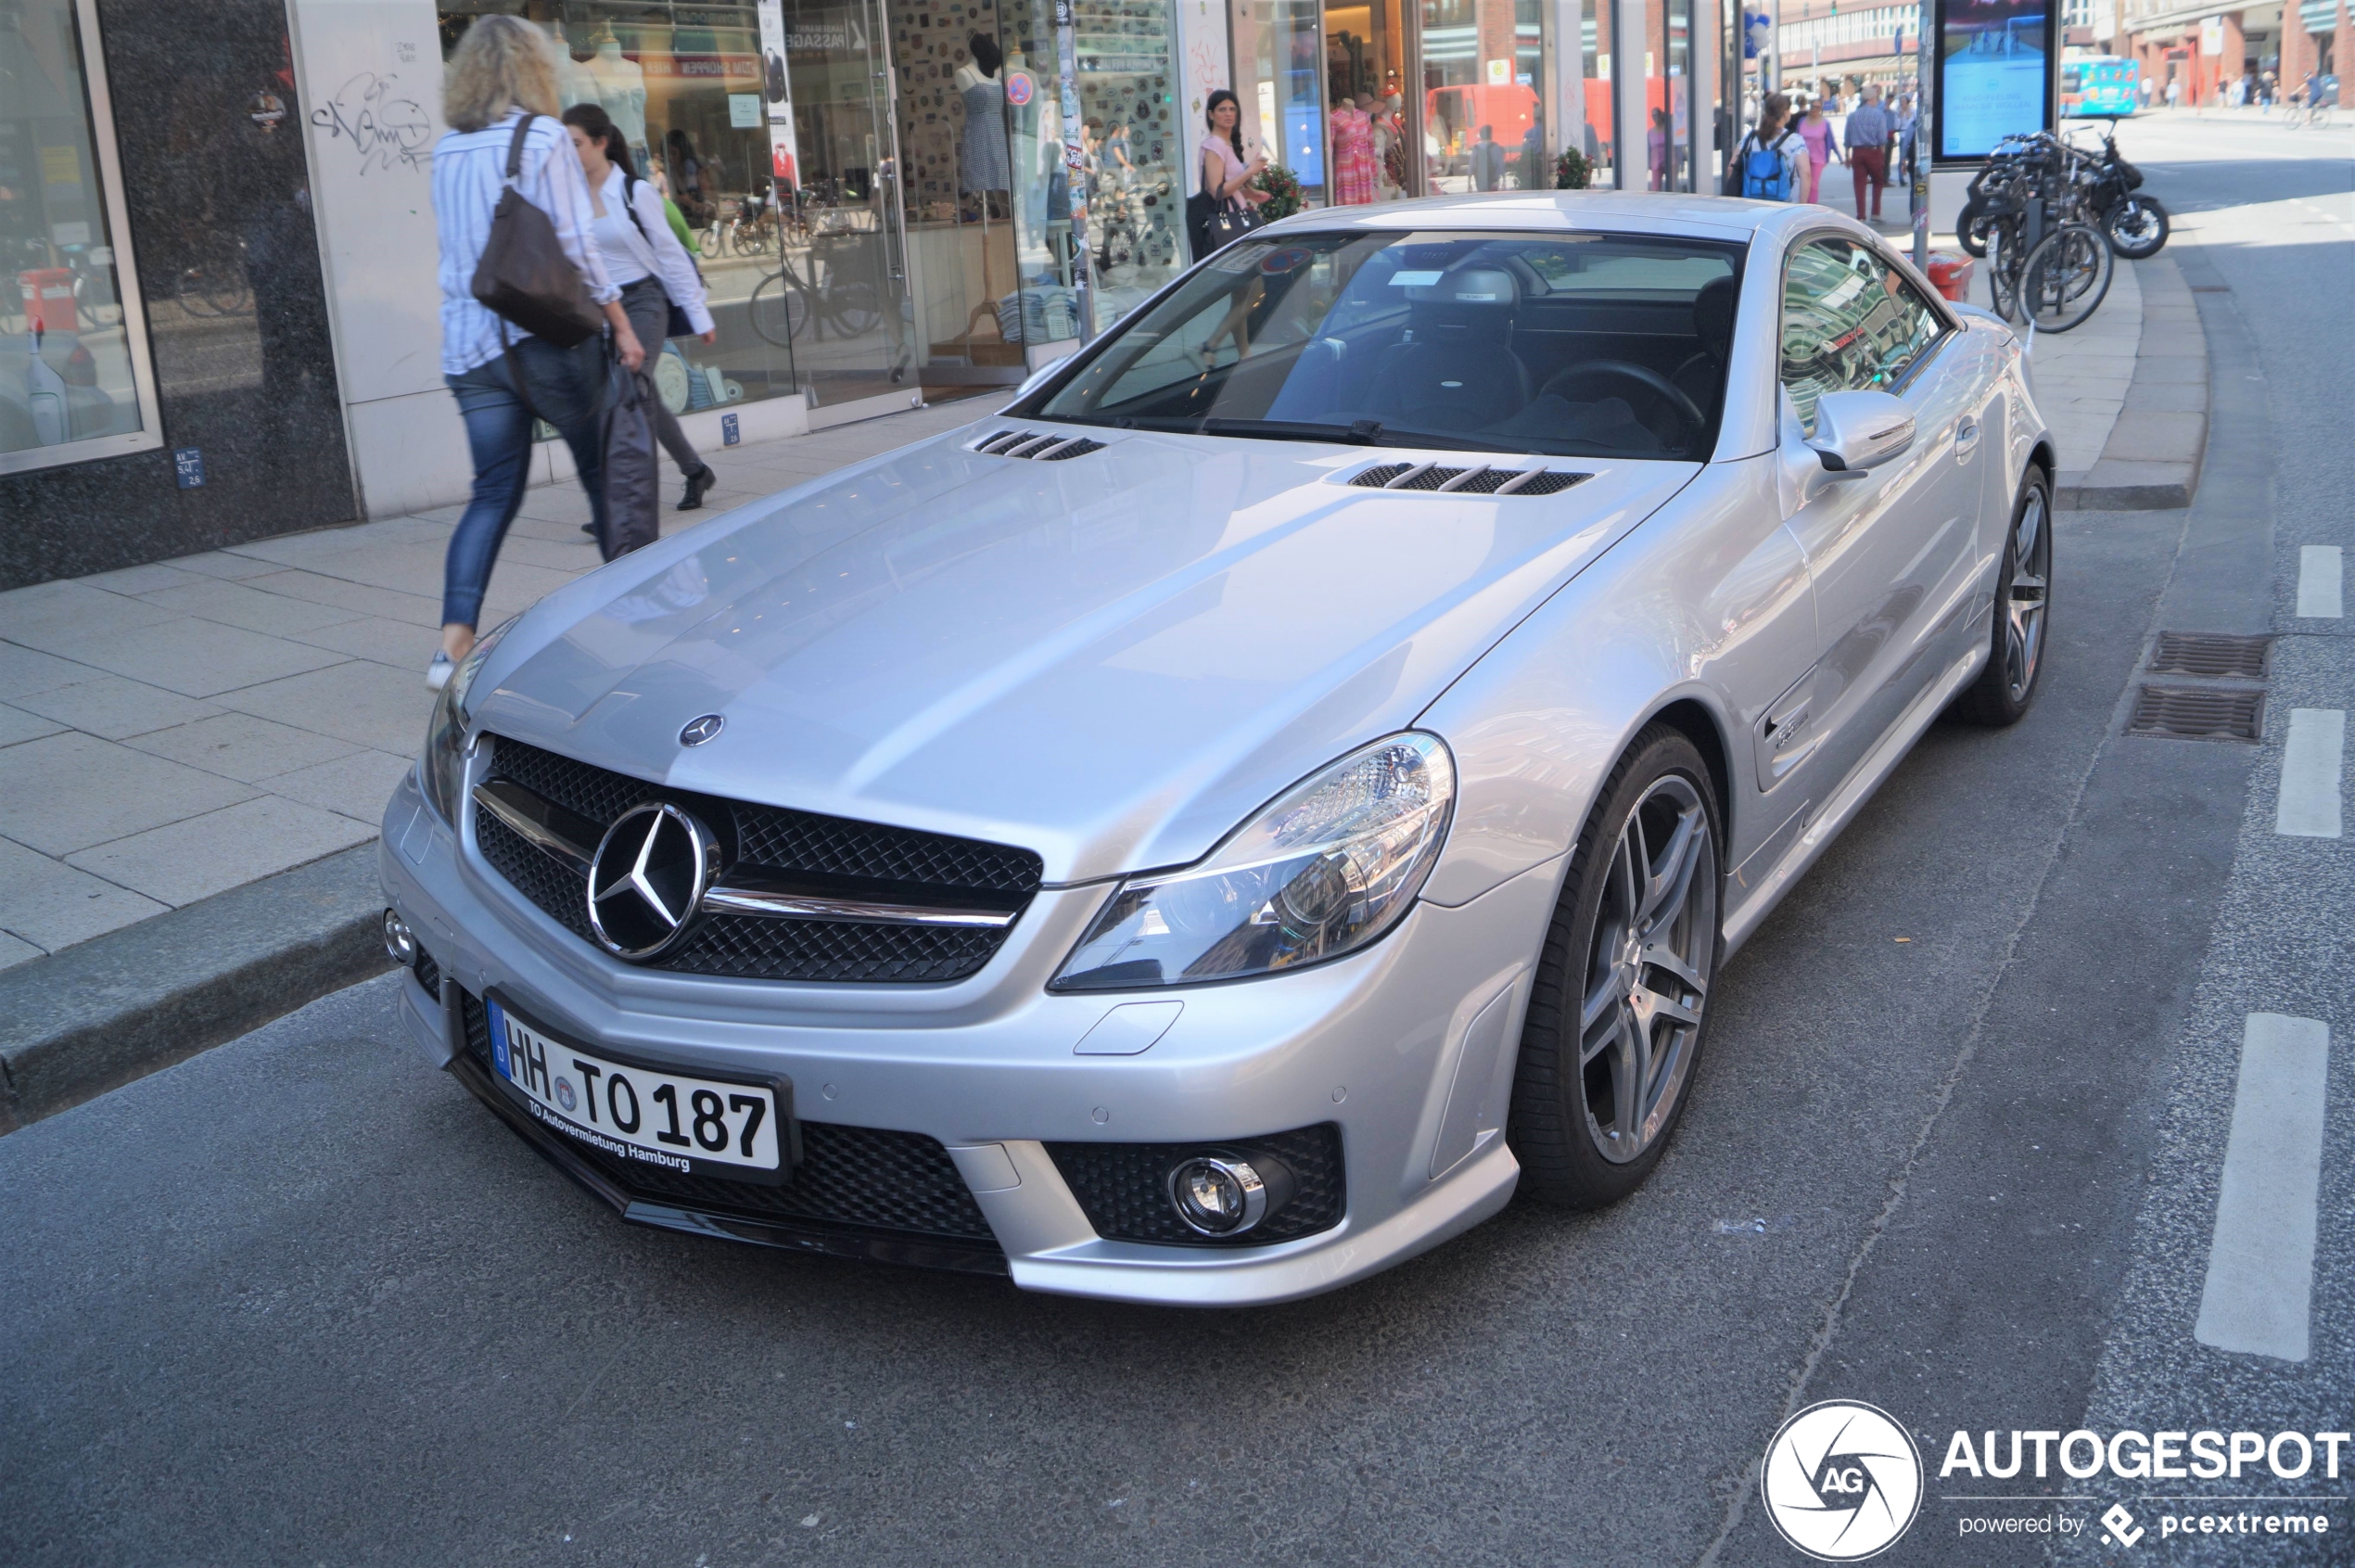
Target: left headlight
[441, 773]
[1328, 867]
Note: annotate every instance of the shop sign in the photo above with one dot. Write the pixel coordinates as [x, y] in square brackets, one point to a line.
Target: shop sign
[743, 111]
[2211, 36]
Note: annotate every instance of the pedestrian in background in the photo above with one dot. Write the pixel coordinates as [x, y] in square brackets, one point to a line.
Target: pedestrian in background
[643, 256]
[1870, 130]
[1770, 164]
[504, 70]
[1823, 147]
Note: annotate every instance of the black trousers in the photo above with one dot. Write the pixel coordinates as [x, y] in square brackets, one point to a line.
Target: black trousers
[649, 311]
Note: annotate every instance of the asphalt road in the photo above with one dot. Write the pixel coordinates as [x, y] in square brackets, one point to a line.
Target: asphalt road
[1953, 1152]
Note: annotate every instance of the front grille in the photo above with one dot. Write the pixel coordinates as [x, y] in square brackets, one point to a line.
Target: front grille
[850, 1175]
[1124, 1188]
[429, 973]
[899, 864]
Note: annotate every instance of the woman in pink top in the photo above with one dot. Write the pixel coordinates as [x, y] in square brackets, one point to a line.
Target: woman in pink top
[1822, 146]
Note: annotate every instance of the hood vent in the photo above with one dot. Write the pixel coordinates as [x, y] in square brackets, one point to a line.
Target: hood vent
[1048, 448]
[1482, 480]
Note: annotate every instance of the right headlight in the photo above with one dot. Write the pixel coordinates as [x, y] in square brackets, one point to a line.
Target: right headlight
[442, 771]
[1328, 868]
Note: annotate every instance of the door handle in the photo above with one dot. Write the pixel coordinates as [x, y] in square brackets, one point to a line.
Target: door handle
[1965, 437]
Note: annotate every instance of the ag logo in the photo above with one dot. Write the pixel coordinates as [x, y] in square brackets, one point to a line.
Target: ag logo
[564, 1093]
[1841, 1481]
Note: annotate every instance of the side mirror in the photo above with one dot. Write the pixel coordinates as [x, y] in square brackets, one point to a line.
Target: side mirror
[1855, 431]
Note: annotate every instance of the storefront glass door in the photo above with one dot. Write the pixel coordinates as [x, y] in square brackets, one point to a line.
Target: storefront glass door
[1366, 94]
[1279, 56]
[840, 291]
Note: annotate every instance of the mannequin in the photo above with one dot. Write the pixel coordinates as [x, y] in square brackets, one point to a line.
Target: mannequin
[983, 163]
[621, 88]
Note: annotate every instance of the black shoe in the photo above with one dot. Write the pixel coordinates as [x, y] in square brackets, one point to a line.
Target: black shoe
[699, 485]
[589, 528]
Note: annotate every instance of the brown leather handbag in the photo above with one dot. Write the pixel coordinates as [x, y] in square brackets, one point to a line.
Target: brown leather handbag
[524, 277]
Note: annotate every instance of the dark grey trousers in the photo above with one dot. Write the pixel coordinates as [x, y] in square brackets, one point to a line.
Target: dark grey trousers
[649, 311]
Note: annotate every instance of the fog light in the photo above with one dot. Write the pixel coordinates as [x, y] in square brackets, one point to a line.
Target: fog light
[1218, 1197]
[400, 943]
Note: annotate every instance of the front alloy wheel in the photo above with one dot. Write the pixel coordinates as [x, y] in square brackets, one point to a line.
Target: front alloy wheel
[2023, 593]
[1616, 1019]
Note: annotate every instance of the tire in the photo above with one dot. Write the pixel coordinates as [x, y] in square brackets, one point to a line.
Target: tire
[1968, 234]
[2136, 225]
[778, 310]
[1620, 1007]
[2006, 687]
[2066, 277]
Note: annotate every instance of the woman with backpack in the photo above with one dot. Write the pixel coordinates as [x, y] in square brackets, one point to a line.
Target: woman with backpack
[644, 256]
[1769, 165]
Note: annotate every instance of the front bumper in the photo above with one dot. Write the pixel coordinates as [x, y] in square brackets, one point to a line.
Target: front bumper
[1407, 1047]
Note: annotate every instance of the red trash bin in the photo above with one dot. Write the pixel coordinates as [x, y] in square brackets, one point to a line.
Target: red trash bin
[49, 300]
[1951, 274]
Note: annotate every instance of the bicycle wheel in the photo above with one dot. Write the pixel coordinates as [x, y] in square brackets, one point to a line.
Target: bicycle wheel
[852, 306]
[780, 307]
[2064, 277]
[2003, 273]
[1970, 228]
[707, 241]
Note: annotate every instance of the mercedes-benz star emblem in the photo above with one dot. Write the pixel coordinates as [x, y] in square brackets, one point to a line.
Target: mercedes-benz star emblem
[647, 878]
[698, 731]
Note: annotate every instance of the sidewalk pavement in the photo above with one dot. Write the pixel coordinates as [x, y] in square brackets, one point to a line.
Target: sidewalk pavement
[175, 739]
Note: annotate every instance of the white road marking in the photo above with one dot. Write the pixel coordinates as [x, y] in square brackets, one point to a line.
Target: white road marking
[2261, 1263]
[2308, 803]
[2319, 575]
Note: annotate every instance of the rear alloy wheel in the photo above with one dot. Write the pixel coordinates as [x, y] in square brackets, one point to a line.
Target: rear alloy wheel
[2023, 595]
[1617, 1015]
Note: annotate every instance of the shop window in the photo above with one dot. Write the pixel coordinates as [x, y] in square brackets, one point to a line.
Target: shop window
[1278, 62]
[75, 382]
[1669, 109]
[1485, 121]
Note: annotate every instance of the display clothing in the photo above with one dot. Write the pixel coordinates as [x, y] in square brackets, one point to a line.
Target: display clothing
[1353, 132]
[621, 88]
[983, 162]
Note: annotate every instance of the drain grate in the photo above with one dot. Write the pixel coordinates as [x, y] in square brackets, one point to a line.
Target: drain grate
[2209, 654]
[2197, 714]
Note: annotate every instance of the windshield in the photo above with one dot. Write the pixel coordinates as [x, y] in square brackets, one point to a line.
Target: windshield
[1578, 345]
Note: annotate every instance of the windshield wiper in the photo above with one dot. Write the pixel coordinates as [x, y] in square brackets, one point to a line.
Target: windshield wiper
[1362, 432]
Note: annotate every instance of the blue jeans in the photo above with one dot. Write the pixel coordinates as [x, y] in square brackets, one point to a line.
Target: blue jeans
[567, 389]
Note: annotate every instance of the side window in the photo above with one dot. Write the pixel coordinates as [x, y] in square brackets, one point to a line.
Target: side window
[1849, 323]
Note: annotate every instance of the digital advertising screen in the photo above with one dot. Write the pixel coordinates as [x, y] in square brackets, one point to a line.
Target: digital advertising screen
[1995, 61]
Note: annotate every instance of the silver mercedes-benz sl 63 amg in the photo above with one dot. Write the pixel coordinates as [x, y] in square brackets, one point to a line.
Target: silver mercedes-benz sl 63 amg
[1222, 824]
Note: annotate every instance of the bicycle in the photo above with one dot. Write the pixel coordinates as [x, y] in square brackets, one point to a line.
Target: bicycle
[840, 292]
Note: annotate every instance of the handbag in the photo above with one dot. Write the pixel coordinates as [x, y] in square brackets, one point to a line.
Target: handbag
[524, 275]
[630, 474]
[1229, 223]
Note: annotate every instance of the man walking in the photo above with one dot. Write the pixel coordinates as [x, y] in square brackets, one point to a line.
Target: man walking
[1869, 130]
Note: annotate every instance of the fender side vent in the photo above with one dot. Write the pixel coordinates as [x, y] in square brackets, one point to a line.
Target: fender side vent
[1047, 448]
[1482, 480]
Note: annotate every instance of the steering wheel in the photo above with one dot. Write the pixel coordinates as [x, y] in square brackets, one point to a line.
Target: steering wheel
[1648, 379]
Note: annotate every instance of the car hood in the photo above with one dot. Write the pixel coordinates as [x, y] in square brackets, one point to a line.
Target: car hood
[1109, 659]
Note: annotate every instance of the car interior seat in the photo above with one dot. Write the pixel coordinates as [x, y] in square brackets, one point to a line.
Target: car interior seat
[1457, 369]
[1702, 376]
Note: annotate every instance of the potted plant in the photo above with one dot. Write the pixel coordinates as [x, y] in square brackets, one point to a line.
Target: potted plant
[1572, 171]
[1283, 190]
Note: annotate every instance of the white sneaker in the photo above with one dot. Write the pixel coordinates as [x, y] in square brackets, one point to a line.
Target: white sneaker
[438, 673]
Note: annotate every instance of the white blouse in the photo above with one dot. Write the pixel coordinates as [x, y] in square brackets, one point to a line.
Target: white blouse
[647, 247]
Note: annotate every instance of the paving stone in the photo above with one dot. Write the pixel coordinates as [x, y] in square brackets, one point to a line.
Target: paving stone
[241, 746]
[188, 860]
[234, 604]
[140, 579]
[226, 564]
[50, 905]
[13, 952]
[355, 786]
[196, 659]
[70, 791]
[400, 643]
[360, 701]
[25, 670]
[33, 616]
[115, 707]
[16, 725]
[360, 597]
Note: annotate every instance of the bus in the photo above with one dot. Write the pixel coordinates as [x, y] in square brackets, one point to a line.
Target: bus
[2104, 85]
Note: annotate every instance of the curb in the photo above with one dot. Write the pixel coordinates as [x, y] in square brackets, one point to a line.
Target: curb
[2152, 460]
[100, 1014]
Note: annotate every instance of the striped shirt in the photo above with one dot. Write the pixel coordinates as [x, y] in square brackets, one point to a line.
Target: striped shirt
[469, 172]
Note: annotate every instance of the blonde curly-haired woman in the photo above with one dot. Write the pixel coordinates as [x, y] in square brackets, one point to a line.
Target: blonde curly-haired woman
[506, 68]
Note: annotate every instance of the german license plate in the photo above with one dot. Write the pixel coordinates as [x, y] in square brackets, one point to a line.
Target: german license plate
[657, 1117]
